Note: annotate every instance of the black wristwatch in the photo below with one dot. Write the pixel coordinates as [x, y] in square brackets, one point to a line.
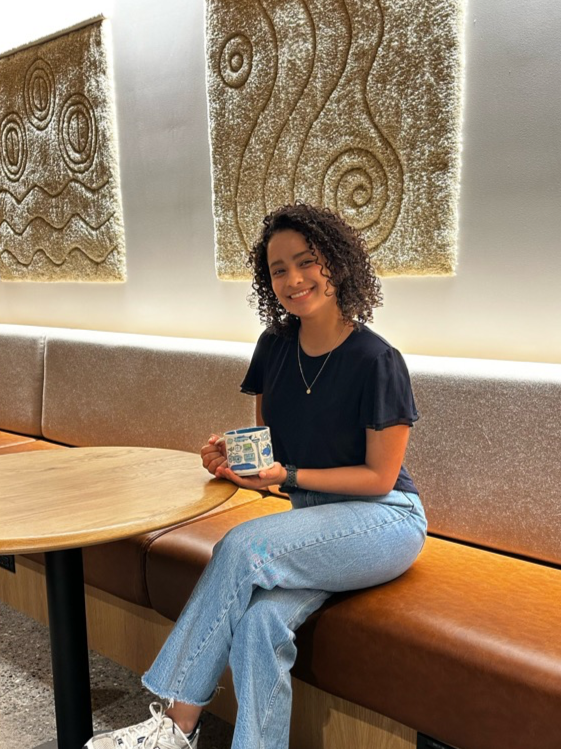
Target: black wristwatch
[290, 484]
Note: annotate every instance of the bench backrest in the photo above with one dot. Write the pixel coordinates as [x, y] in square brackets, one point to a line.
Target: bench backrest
[125, 389]
[21, 378]
[485, 453]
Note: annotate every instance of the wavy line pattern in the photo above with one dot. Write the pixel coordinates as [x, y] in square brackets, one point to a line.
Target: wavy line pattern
[324, 101]
[56, 193]
[60, 242]
[60, 206]
[58, 263]
[53, 226]
[57, 209]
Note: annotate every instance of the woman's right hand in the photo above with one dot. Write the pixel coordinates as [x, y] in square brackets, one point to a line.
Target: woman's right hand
[214, 455]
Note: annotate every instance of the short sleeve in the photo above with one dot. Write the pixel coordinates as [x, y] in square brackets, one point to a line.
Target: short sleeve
[253, 381]
[387, 398]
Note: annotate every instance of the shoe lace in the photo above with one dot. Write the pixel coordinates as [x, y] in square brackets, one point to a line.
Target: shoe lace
[148, 736]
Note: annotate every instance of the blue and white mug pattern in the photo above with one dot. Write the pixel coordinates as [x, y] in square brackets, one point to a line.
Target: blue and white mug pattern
[249, 450]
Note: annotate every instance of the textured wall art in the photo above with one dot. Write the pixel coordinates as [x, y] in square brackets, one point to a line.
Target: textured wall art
[353, 104]
[60, 201]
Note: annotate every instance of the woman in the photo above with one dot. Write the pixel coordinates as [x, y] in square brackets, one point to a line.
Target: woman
[338, 400]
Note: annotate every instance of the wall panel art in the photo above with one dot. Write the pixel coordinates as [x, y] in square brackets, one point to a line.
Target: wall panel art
[353, 104]
[60, 201]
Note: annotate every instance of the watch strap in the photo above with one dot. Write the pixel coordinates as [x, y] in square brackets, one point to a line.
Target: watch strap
[290, 483]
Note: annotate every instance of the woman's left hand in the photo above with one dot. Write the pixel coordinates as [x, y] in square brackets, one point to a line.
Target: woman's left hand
[276, 474]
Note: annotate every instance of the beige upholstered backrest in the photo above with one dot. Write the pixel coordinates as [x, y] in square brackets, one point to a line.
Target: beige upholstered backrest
[21, 378]
[125, 389]
[486, 452]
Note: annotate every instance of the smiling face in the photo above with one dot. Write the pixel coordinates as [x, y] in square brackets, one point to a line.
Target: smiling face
[297, 276]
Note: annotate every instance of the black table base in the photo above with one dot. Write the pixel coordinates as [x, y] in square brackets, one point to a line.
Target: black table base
[69, 648]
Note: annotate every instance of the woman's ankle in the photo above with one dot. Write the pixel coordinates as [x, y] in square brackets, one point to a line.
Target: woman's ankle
[185, 717]
[187, 729]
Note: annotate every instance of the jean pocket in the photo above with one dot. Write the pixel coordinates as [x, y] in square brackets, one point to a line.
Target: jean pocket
[418, 508]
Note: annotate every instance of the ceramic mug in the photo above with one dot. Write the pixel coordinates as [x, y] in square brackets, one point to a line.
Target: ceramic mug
[249, 450]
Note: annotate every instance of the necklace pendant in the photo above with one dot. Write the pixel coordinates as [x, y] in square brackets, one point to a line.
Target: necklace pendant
[309, 387]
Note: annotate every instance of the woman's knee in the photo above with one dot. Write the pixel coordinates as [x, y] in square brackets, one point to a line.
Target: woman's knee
[234, 552]
[245, 543]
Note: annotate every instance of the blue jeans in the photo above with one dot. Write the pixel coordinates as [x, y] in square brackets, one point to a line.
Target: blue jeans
[265, 578]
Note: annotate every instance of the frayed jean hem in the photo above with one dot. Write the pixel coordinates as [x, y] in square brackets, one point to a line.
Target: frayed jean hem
[173, 697]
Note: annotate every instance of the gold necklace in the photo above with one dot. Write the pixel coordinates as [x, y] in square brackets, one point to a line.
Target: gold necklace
[309, 387]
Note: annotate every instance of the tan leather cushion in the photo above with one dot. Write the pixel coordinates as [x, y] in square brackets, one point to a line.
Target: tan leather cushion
[14, 441]
[22, 444]
[116, 568]
[466, 646]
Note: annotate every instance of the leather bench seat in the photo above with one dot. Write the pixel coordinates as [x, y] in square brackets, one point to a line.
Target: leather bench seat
[18, 443]
[9, 439]
[465, 646]
[23, 447]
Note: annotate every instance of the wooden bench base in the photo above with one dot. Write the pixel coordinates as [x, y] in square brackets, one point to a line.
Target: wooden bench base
[132, 636]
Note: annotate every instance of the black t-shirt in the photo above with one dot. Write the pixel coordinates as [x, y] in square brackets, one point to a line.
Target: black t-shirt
[364, 385]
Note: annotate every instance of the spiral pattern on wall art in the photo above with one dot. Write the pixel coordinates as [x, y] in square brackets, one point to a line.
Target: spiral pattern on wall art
[39, 94]
[235, 60]
[13, 146]
[351, 104]
[60, 200]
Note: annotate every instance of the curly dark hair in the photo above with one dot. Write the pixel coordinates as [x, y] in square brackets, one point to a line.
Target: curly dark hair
[347, 263]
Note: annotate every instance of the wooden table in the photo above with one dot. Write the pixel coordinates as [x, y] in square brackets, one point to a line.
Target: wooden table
[61, 500]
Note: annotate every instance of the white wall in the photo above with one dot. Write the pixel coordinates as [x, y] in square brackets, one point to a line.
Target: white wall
[503, 303]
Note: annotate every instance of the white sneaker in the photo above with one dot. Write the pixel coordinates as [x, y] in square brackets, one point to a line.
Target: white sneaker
[158, 732]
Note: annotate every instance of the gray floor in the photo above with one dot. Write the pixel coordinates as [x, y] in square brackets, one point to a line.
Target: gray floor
[26, 699]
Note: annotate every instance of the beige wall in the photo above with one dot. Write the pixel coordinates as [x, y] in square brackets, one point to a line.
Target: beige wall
[503, 303]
